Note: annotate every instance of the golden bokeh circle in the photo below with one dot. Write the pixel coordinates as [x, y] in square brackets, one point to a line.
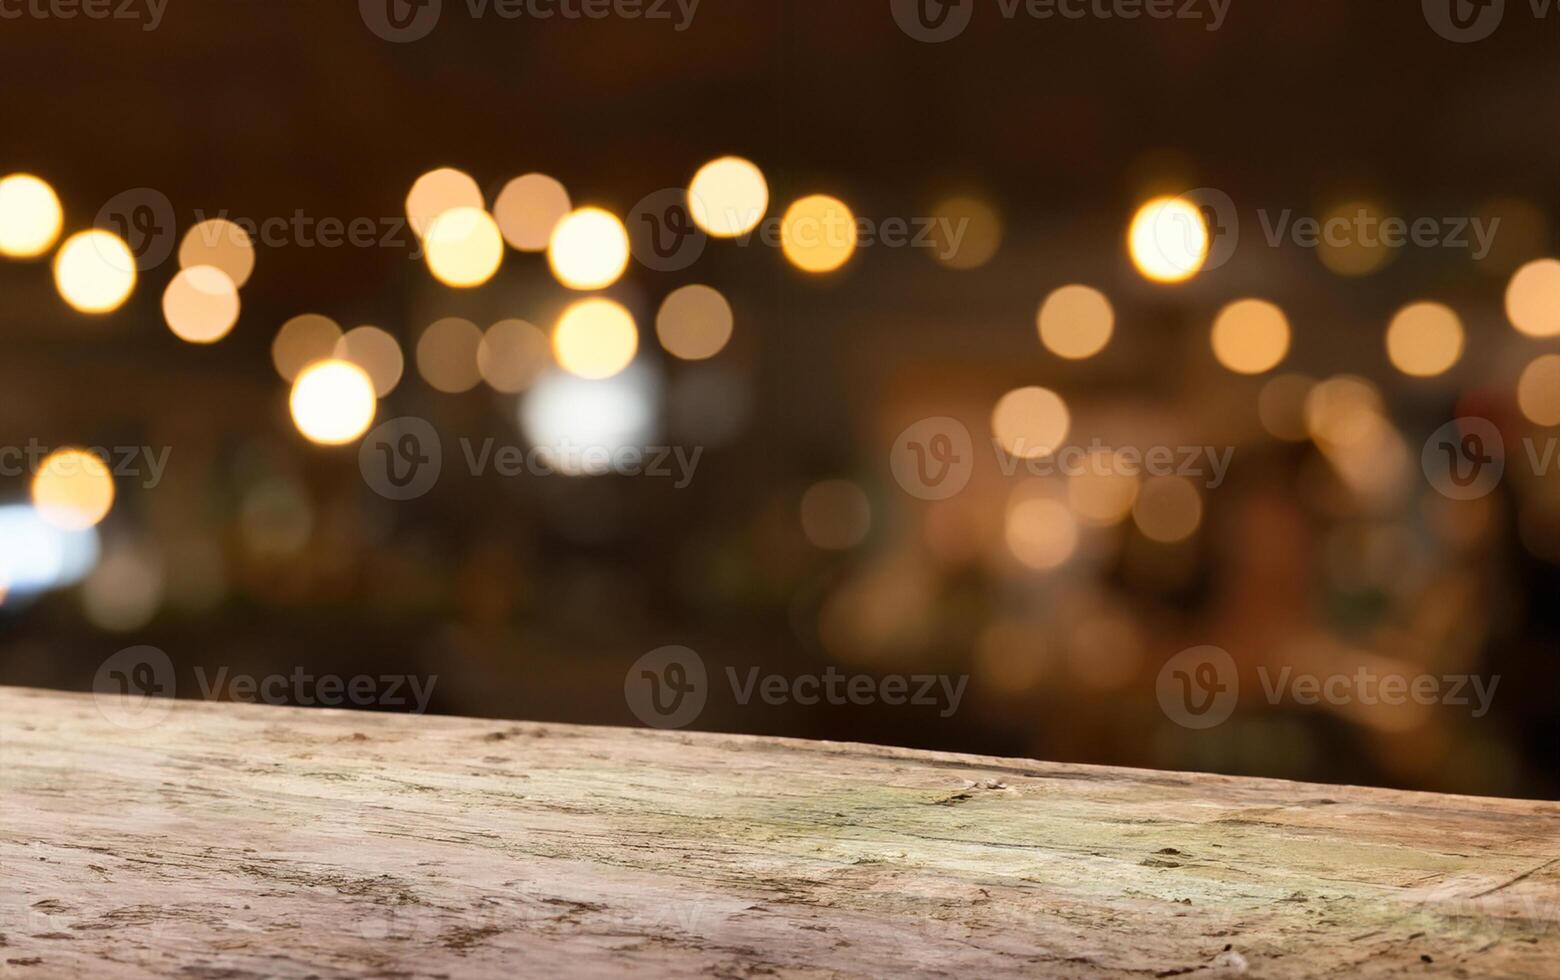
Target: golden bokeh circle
[201, 304]
[30, 216]
[1251, 336]
[728, 197]
[818, 234]
[1425, 340]
[595, 339]
[73, 489]
[1076, 322]
[94, 271]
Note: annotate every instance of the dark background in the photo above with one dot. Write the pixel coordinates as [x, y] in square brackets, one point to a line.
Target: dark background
[530, 599]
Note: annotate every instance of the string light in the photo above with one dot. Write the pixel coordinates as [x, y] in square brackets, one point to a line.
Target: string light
[1425, 340]
[1533, 298]
[1030, 422]
[1251, 336]
[528, 209]
[589, 249]
[222, 244]
[447, 355]
[30, 216]
[694, 323]
[818, 234]
[1538, 391]
[377, 353]
[464, 247]
[728, 197]
[73, 490]
[1076, 322]
[438, 191]
[333, 402]
[1040, 531]
[595, 339]
[95, 271]
[201, 304]
[1168, 240]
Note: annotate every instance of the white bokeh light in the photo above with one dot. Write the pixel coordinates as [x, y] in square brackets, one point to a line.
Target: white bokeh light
[564, 416]
[36, 556]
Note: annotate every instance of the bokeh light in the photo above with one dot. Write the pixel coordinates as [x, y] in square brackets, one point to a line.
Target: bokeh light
[966, 232]
[1168, 240]
[1425, 340]
[438, 191]
[123, 593]
[1281, 406]
[1040, 531]
[1102, 491]
[1342, 411]
[95, 271]
[728, 197]
[1076, 322]
[528, 209]
[512, 355]
[301, 341]
[73, 489]
[1030, 422]
[589, 249]
[568, 416]
[222, 244]
[1533, 298]
[1347, 420]
[30, 216]
[818, 234]
[836, 515]
[464, 247]
[36, 556]
[1168, 509]
[694, 323]
[1538, 391]
[376, 352]
[200, 304]
[1358, 249]
[333, 402]
[447, 355]
[1251, 336]
[595, 339]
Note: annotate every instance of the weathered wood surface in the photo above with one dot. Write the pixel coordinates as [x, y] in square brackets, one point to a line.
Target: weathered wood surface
[238, 841]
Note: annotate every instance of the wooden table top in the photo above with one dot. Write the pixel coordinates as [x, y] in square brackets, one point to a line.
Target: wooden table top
[242, 841]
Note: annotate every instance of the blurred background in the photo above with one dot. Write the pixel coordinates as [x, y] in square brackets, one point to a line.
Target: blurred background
[523, 252]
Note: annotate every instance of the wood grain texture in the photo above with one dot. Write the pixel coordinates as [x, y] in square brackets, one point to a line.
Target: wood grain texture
[235, 841]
